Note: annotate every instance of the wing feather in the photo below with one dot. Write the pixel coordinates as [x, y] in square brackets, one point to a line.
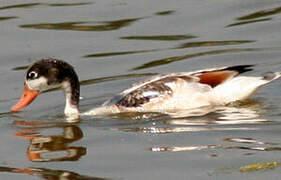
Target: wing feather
[159, 87]
[150, 90]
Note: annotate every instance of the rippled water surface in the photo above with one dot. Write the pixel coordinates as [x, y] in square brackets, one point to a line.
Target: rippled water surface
[113, 44]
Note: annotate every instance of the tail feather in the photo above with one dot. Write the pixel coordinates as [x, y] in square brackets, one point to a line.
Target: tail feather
[270, 76]
[240, 68]
[242, 87]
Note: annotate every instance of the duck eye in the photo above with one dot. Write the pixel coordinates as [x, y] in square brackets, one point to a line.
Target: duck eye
[33, 75]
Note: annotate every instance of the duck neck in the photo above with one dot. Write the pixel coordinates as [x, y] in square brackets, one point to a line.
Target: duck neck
[71, 89]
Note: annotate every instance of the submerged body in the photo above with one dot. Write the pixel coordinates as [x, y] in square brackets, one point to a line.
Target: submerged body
[162, 93]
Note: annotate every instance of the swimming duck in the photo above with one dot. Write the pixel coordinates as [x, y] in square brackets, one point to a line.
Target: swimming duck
[160, 93]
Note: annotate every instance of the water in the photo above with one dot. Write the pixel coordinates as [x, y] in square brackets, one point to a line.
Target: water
[113, 44]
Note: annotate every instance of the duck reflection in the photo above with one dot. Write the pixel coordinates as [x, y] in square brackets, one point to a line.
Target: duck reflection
[204, 119]
[45, 148]
[235, 117]
[49, 174]
[250, 144]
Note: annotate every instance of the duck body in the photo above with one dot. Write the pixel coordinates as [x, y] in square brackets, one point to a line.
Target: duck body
[186, 91]
[161, 93]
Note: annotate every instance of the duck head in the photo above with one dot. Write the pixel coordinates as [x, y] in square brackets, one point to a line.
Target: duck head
[46, 74]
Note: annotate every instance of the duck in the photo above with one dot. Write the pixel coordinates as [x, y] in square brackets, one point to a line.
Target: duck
[160, 93]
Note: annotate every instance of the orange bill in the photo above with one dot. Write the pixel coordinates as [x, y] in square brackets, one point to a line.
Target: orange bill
[26, 98]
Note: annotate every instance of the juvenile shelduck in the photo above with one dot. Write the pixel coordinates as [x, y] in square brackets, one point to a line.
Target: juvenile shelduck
[161, 93]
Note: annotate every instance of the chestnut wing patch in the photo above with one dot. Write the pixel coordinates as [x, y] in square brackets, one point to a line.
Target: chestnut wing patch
[215, 78]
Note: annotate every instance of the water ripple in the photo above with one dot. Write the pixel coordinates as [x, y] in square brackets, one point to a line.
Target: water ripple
[117, 53]
[83, 26]
[164, 13]
[19, 68]
[262, 13]
[26, 5]
[203, 147]
[249, 22]
[268, 146]
[160, 37]
[30, 5]
[44, 173]
[213, 43]
[229, 118]
[255, 17]
[168, 60]
[4, 18]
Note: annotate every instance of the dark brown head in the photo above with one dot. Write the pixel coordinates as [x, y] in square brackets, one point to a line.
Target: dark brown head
[46, 74]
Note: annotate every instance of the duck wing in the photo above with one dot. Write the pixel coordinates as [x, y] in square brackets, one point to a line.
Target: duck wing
[217, 76]
[162, 87]
[154, 89]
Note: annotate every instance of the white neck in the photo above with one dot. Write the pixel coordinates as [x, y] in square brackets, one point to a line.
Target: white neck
[70, 108]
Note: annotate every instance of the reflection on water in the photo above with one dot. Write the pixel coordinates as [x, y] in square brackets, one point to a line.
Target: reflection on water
[205, 119]
[179, 149]
[230, 118]
[18, 68]
[163, 13]
[168, 60]
[67, 4]
[84, 26]
[155, 38]
[49, 174]
[247, 141]
[268, 146]
[188, 56]
[46, 148]
[212, 43]
[7, 18]
[261, 13]
[118, 53]
[248, 22]
[165, 130]
[27, 5]
[182, 46]
[160, 37]
[30, 5]
[170, 38]
[256, 17]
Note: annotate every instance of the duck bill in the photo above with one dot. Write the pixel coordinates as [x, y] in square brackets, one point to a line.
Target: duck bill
[27, 97]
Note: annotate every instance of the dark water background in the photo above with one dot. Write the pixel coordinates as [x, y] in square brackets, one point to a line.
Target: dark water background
[112, 44]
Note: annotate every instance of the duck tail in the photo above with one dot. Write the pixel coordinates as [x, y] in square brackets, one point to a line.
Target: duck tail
[270, 76]
[240, 68]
